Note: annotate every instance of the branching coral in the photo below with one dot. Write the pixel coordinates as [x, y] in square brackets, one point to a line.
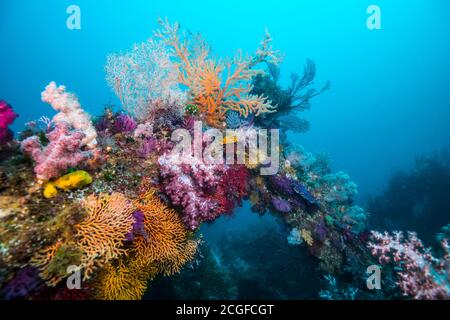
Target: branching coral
[7, 116]
[70, 111]
[144, 78]
[102, 233]
[421, 275]
[63, 151]
[217, 87]
[99, 239]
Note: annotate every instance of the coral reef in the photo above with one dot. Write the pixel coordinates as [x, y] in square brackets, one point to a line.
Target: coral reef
[415, 199]
[115, 202]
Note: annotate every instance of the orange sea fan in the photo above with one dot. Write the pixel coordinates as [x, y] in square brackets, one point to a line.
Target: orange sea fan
[42, 260]
[101, 234]
[123, 280]
[216, 87]
[166, 244]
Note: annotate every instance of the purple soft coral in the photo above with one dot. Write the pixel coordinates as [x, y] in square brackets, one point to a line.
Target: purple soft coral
[138, 227]
[421, 275]
[191, 185]
[7, 116]
[147, 147]
[124, 124]
[281, 184]
[281, 205]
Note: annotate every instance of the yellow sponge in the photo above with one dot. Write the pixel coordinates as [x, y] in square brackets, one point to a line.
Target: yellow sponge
[73, 180]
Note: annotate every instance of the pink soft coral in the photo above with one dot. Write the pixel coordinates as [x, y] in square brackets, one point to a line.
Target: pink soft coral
[62, 152]
[70, 111]
[192, 186]
[7, 116]
[421, 275]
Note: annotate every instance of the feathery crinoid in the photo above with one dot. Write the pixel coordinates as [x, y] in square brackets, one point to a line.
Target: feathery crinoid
[165, 244]
[216, 86]
[102, 233]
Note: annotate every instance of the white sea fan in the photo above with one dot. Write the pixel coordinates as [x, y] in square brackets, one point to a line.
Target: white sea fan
[144, 79]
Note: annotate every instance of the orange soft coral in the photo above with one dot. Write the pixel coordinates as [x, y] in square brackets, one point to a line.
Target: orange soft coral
[166, 244]
[216, 87]
[101, 234]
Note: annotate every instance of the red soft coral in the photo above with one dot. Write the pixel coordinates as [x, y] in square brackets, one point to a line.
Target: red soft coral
[232, 188]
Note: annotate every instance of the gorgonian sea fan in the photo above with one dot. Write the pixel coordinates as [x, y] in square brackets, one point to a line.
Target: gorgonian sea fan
[143, 78]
